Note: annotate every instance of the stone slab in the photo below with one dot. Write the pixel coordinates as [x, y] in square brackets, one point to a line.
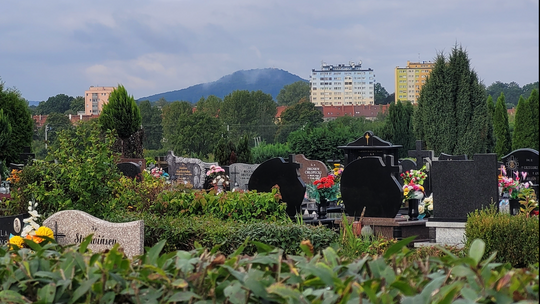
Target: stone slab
[240, 174]
[11, 225]
[310, 170]
[72, 226]
[448, 233]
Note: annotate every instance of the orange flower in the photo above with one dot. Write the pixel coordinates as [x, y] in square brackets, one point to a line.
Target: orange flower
[43, 231]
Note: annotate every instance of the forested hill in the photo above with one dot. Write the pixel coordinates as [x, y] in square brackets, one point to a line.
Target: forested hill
[270, 81]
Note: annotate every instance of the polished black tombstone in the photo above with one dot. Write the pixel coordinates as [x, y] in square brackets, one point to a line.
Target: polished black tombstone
[277, 171]
[420, 154]
[11, 225]
[370, 182]
[369, 145]
[522, 160]
[130, 169]
[445, 156]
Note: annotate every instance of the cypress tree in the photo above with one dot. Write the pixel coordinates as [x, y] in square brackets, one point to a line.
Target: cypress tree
[533, 105]
[491, 135]
[5, 131]
[121, 113]
[452, 115]
[244, 151]
[398, 126]
[503, 143]
[523, 137]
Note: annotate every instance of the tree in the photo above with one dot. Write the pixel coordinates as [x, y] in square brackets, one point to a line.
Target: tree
[523, 129]
[173, 115]
[121, 114]
[151, 124]
[452, 116]
[76, 105]
[491, 135]
[503, 141]
[210, 105]
[398, 128]
[56, 104]
[533, 105]
[243, 151]
[250, 113]
[55, 123]
[225, 152]
[381, 94]
[293, 93]
[17, 114]
[296, 116]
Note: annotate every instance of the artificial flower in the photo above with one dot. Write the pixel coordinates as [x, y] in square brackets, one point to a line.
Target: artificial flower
[16, 241]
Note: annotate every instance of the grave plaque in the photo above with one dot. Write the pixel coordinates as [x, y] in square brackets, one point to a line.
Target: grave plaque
[11, 225]
[190, 170]
[310, 170]
[522, 160]
[240, 174]
[370, 182]
[72, 226]
[277, 171]
[445, 156]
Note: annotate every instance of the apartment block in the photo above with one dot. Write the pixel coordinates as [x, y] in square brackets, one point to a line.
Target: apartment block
[410, 79]
[337, 85]
[95, 98]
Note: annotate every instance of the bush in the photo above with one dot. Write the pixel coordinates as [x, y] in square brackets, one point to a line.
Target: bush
[55, 274]
[264, 152]
[514, 238]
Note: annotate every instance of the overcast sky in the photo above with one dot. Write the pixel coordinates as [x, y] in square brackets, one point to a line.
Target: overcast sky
[154, 46]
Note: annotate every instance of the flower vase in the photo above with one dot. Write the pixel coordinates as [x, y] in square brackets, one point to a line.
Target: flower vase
[413, 209]
[321, 208]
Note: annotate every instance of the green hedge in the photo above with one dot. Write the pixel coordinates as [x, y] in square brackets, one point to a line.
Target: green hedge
[514, 238]
[182, 232]
[48, 273]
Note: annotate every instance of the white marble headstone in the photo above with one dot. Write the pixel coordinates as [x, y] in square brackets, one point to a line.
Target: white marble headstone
[73, 226]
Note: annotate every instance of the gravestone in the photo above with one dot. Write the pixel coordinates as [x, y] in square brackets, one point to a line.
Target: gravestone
[420, 154]
[72, 226]
[130, 169]
[240, 173]
[187, 170]
[463, 186]
[369, 145]
[522, 160]
[445, 156]
[310, 170]
[370, 182]
[277, 171]
[11, 225]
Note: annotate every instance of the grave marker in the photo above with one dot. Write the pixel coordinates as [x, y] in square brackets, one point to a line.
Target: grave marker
[310, 170]
[369, 145]
[190, 170]
[420, 154]
[130, 169]
[11, 225]
[72, 226]
[522, 160]
[240, 173]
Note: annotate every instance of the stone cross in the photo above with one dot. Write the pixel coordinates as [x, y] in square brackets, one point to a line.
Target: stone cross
[420, 154]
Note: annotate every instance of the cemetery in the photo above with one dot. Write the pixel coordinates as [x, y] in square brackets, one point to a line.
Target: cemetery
[189, 230]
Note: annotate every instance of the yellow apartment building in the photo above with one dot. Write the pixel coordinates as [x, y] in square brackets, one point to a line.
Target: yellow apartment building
[95, 98]
[410, 79]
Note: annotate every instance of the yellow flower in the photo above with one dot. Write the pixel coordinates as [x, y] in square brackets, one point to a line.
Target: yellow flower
[405, 191]
[43, 231]
[16, 240]
[421, 188]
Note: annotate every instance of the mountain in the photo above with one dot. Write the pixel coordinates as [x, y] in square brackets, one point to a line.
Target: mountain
[270, 81]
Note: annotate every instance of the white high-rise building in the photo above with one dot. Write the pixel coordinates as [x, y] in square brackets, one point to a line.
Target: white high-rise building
[336, 85]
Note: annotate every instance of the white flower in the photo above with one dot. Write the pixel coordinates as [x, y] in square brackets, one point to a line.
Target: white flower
[421, 208]
[430, 207]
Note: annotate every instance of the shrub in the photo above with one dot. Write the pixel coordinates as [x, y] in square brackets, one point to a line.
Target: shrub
[514, 238]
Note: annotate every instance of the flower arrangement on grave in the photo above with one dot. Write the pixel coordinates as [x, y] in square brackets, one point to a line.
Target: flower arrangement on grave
[425, 208]
[510, 185]
[337, 171]
[413, 181]
[31, 230]
[324, 188]
[157, 172]
[215, 176]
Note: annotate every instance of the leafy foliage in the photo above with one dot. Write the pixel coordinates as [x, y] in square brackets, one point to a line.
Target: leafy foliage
[299, 115]
[265, 151]
[523, 136]
[533, 105]
[151, 124]
[5, 131]
[56, 104]
[398, 127]
[291, 94]
[503, 143]
[121, 113]
[514, 238]
[18, 116]
[55, 274]
[511, 90]
[452, 116]
[243, 151]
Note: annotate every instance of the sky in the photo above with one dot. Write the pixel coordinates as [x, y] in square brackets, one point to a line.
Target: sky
[155, 46]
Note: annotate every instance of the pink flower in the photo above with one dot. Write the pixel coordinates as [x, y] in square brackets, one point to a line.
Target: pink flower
[524, 175]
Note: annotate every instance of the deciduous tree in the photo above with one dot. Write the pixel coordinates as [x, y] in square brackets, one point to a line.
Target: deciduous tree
[151, 123]
[293, 93]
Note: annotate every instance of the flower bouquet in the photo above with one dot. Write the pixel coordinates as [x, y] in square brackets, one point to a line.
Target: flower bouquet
[510, 185]
[325, 188]
[425, 209]
[413, 181]
[31, 230]
[215, 176]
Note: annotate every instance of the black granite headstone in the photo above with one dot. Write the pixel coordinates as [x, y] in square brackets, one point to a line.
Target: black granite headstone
[463, 186]
[129, 169]
[277, 171]
[368, 145]
[445, 156]
[522, 160]
[369, 182]
[11, 225]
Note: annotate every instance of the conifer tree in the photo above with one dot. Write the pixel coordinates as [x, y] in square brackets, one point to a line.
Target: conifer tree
[452, 115]
[523, 137]
[121, 113]
[503, 141]
[244, 151]
[398, 127]
[491, 135]
[533, 105]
